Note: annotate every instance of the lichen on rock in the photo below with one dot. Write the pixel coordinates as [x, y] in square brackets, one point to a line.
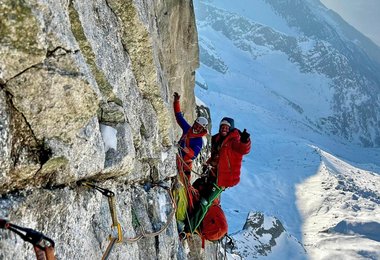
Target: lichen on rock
[55, 103]
[20, 43]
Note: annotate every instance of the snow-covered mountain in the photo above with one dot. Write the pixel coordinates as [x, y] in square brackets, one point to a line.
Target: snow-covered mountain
[264, 236]
[306, 86]
[304, 47]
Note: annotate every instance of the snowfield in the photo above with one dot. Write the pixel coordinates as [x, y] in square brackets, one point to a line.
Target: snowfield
[340, 206]
[322, 189]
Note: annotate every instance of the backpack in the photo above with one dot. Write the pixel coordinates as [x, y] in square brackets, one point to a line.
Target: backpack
[181, 201]
[214, 225]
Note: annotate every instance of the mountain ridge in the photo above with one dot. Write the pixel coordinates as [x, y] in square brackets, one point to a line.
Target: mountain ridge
[355, 93]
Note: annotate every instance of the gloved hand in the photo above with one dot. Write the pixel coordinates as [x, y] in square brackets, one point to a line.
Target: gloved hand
[244, 136]
[176, 96]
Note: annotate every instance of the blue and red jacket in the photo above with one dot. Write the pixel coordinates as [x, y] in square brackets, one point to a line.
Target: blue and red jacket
[193, 142]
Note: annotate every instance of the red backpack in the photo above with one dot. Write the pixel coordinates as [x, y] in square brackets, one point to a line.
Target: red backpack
[214, 226]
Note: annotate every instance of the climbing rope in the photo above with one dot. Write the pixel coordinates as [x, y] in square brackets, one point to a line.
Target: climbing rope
[189, 192]
[143, 233]
[185, 182]
[115, 224]
[116, 233]
[43, 246]
[196, 219]
[184, 179]
[183, 162]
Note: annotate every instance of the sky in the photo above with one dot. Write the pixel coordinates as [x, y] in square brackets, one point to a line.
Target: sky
[361, 14]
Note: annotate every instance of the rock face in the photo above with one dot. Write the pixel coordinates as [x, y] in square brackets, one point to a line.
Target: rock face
[66, 68]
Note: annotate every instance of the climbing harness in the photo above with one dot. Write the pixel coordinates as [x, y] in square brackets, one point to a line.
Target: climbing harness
[43, 246]
[204, 203]
[116, 232]
[183, 161]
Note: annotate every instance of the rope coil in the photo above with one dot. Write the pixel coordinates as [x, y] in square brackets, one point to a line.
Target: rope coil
[183, 161]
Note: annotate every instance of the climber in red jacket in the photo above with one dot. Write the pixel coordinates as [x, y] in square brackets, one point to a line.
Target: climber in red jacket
[190, 143]
[227, 150]
[223, 168]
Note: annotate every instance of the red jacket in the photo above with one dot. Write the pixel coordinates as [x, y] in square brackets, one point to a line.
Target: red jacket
[227, 157]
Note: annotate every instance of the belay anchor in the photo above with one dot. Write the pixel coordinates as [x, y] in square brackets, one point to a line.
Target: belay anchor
[116, 232]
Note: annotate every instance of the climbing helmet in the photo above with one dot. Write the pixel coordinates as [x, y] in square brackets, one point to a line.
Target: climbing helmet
[202, 121]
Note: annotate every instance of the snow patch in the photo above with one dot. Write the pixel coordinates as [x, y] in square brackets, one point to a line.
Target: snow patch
[200, 81]
[162, 204]
[109, 137]
[164, 156]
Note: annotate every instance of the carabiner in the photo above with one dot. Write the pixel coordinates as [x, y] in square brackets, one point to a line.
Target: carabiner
[105, 192]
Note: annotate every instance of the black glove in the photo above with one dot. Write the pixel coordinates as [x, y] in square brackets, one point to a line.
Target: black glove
[176, 96]
[244, 136]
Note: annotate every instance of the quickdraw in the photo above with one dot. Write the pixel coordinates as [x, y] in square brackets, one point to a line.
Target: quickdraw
[116, 232]
[43, 246]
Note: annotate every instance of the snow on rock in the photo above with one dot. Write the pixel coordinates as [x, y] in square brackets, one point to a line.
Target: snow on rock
[300, 87]
[109, 137]
[369, 229]
[318, 71]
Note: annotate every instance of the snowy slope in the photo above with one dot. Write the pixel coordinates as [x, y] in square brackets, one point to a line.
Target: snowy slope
[340, 206]
[287, 101]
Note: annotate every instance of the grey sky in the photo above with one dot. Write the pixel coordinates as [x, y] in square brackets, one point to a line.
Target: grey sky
[364, 15]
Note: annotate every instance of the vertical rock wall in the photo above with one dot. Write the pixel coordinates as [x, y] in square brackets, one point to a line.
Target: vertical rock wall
[67, 70]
